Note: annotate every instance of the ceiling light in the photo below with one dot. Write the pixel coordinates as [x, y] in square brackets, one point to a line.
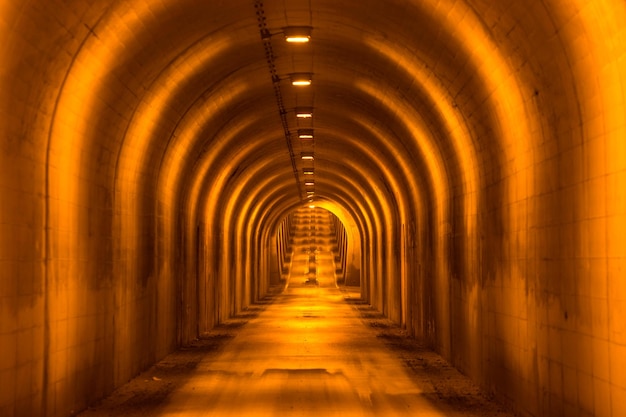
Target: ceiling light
[308, 171]
[297, 34]
[312, 206]
[310, 192]
[304, 113]
[309, 183]
[301, 79]
[305, 133]
[307, 156]
[298, 39]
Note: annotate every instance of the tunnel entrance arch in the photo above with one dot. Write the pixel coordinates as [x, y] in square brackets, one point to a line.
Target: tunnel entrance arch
[342, 236]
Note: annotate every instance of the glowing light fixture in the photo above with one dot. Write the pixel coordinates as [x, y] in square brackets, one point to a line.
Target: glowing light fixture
[307, 156]
[304, 113]
[312, 206]
[297, 34]
[310, 192]
[309, 183]
[308, 171]
[301, 79]
[305, 133]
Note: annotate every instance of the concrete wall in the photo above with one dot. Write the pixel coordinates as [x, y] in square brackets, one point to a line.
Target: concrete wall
[536, 284]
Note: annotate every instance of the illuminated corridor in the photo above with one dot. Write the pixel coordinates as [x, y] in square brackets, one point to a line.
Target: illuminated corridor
[304, 352]
[466, 161]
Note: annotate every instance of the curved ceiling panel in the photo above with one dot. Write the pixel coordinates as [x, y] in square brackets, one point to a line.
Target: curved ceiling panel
[174, 86]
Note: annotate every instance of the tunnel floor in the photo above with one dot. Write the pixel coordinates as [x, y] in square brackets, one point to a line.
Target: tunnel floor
[311, 349]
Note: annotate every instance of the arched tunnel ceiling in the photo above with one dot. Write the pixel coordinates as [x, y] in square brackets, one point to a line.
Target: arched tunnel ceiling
[425, 99]
[390, 84]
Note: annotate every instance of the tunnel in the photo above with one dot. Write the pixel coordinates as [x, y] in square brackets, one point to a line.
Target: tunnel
[468, 158]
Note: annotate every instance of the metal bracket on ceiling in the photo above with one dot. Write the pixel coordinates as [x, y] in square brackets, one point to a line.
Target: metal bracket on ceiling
[270, 58]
